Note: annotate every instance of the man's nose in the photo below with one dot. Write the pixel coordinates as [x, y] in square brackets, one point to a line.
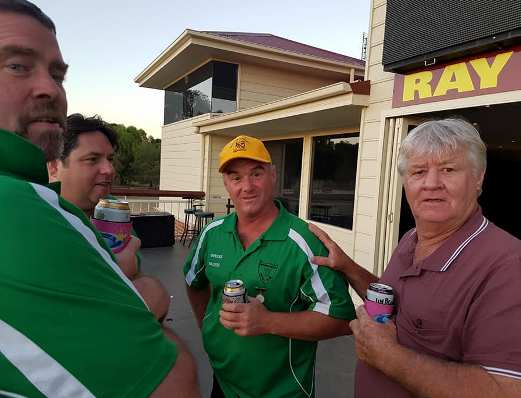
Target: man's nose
[46, 86]
[107, 168]
[247, 183]
[432, 179]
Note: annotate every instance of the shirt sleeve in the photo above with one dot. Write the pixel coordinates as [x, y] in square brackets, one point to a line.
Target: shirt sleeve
[325, 289]
[92, 329]
[195, 264]
[491, 334]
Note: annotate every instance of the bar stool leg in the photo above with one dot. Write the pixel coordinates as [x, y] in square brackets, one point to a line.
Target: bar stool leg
[185, 230]
[196, 230]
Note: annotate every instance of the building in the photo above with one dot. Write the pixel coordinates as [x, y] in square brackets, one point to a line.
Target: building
[335, 135]
[304, 102]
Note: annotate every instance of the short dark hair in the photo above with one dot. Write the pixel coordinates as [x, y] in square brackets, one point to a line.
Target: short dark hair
[25, 7]
[77, 124]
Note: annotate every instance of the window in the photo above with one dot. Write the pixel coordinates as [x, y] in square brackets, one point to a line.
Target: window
[332, 191]
[211, 88]
[286, 155]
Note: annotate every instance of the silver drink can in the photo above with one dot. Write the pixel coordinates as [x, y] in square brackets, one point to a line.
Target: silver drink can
[113, 210]
[380, 293]
[234, 292]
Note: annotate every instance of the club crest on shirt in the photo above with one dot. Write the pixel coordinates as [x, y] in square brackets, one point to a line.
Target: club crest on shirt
[267, 272]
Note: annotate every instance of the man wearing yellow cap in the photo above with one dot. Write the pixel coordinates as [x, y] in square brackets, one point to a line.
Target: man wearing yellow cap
[264, 348]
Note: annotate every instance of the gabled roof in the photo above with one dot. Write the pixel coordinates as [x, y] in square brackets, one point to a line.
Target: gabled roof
[193, 48]
[269, 40]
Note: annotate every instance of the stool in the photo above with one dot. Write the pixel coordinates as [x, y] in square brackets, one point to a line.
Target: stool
[190, 219]
[202, 219]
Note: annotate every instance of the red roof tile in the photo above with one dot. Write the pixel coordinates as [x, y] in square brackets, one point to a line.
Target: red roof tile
[269, 40]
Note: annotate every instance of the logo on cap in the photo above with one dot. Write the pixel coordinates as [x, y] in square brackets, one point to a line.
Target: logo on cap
[239, 145]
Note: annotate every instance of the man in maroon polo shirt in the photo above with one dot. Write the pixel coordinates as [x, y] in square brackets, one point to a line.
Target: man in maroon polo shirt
[456, 280]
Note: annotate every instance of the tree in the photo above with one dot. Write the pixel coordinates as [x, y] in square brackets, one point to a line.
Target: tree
[147, 163]
[138, 157]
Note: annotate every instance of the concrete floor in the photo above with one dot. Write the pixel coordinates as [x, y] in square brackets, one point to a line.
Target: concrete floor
[335, 358]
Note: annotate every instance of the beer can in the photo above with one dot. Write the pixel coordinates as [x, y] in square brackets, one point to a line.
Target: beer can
[112, 219]
[113, 210]
[379, 302]
[234, 292]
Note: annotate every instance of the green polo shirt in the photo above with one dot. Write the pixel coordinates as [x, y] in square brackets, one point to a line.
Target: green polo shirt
[278, 264]
[71, 324]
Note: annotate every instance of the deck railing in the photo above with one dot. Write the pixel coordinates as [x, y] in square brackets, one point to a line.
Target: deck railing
[158, 201]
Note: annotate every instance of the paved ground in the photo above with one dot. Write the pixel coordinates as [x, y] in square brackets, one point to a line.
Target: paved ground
[335, 359]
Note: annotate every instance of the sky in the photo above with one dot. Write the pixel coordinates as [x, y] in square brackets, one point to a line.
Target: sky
[108, 43]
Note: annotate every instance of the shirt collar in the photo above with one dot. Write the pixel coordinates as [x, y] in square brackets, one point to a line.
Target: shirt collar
[449, 251]
[278, 230]
[21, 159]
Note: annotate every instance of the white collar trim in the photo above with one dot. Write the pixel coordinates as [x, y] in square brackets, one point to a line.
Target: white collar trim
[464, 244]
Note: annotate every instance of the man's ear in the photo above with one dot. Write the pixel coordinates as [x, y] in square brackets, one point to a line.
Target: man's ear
[52, 170]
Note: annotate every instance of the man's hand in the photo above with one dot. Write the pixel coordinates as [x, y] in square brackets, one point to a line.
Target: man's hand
[372, 339]
[376, 344]
[127, 259]
[245, 319]
[357, 276]
[337, 259]
[154, 293]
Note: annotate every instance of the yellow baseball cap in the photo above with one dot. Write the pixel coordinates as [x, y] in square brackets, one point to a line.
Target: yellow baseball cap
[243, 147]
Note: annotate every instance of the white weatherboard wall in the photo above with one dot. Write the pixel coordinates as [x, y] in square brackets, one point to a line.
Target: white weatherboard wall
[259, 84]
[371, 143]
[216, 193]
[181, 157]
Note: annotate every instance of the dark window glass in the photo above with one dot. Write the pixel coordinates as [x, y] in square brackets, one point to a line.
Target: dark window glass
[223, 106]
[224, 81]
[286, 155]
[211, 88]
[332, 191]
[198, 99]
[173, 106]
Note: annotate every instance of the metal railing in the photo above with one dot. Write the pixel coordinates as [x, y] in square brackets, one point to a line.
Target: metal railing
[139, 206]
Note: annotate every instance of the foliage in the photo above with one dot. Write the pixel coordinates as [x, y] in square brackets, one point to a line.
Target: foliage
[138, 157]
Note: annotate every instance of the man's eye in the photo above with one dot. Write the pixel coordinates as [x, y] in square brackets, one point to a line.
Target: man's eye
[448, 169]
[19, 68]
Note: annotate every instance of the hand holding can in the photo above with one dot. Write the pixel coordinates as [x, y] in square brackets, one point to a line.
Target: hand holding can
[112, 219]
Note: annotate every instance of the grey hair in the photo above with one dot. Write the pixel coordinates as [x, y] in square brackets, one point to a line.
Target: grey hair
[436, 137]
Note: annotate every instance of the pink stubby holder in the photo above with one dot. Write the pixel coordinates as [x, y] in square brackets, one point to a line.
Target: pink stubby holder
[379, 302]
[112, 220]
[379, 312]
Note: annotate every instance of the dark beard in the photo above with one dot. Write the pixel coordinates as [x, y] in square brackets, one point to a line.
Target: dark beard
[51, 142]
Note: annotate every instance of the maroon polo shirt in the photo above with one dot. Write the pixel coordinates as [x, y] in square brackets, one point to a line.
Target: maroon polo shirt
[462, 303]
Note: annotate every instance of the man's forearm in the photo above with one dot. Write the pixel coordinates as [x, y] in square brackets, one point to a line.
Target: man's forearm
[305, 325]
[181, 381]
[429, 377]
[358, 277]
[198, 300]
